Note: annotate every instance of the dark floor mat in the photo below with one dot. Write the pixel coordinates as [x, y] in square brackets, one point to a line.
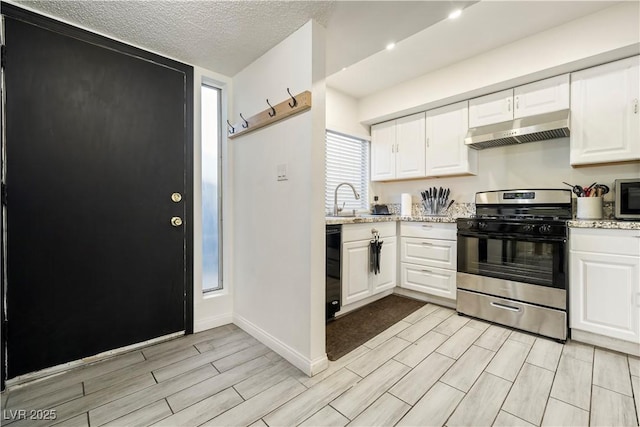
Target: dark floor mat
[354, 329]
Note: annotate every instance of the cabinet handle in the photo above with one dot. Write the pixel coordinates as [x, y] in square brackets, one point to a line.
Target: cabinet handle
[427, 226]
[427, 142]
[508, 104]
[397, 148]
[635, 106]
[427, 244]
[517, 103]
[505, 307]
[427, 271]
[393, 148]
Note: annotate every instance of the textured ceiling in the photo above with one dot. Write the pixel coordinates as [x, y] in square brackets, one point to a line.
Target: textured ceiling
[225, 36]
[222, 36]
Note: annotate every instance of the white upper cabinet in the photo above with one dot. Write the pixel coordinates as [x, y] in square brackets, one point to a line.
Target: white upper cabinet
[447, 154]
[605, 116]
[489, 109]
[397, 149]
[541, 97]
[410, 146]
[544, 96]
[383, 146]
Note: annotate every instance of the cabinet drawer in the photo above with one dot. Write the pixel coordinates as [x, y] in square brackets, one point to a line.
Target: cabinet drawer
[428, 230]
[430, 280]
[354, 232]
[532, 318]
[429, 252]
[613, 242]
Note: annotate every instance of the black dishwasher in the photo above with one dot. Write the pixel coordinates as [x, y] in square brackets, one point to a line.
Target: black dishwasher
[333, 266]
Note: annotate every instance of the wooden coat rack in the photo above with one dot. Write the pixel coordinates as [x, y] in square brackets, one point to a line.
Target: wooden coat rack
[299, 103]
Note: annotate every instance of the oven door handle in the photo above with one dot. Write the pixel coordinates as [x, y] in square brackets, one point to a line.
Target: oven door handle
[514, 237]
[505, 307]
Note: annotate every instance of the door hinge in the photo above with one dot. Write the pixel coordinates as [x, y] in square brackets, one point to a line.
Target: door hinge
[3, 192]
[3, 56]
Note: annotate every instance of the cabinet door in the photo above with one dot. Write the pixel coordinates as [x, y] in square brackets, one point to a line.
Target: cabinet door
[541, 97]
[383, 147]
[355, 271]
[447, 153]
[494, 108]
[410, 146]
[605, 115]
[430, 280]
[605, 295]
[386, 279]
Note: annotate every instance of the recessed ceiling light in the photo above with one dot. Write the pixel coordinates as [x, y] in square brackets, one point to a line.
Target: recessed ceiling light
[456, 13]
[344, 68]
[391, 46]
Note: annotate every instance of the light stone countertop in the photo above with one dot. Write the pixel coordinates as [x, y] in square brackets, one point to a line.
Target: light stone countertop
[331, 220]
[605, 223]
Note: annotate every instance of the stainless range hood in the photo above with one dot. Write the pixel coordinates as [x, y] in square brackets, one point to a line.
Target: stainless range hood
[527, 129]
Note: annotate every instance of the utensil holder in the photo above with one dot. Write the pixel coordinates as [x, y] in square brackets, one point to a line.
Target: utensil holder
[589, 208]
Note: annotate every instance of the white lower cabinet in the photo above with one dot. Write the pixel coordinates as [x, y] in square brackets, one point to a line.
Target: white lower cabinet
[358, 279]
[604, 290]
[428, 254]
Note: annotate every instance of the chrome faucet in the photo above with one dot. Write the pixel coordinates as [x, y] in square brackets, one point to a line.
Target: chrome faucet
[336, 209]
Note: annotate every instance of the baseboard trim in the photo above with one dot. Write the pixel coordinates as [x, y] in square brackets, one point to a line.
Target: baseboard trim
[424, 297]
[306, 365]
[46, 373]
[212, 322]
[606, 342]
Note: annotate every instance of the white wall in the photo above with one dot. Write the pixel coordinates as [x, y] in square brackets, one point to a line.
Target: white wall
[215, 308]
[610, 34]
[542, 164]
[342, 115]
[279, 226]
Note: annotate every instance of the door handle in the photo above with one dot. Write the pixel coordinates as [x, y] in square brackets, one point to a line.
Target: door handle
[505, 307]
[176, 221]
[176, 197]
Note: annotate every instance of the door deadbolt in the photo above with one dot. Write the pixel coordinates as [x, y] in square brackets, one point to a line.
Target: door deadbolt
[176, 197]
[176, 221]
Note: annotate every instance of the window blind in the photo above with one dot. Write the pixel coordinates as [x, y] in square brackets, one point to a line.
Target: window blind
[347, 160]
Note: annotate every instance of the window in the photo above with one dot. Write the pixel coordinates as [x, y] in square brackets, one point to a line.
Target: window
[347, 160]
[211, 194]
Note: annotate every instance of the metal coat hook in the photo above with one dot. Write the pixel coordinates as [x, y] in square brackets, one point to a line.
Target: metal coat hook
[272, 113]
[232, 128]
[295, 102]
[246, 123]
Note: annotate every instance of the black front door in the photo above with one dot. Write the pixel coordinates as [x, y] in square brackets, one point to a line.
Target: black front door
[97, 142]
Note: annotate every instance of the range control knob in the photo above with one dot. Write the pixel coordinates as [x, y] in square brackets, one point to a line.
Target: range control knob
[545, 229]
[466, 225]
[482, 225]
[528, 228]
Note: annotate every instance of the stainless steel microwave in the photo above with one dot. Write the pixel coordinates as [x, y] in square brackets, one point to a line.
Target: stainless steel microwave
[628, 198]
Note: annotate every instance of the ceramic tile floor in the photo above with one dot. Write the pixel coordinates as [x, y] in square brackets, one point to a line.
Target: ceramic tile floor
[431, 368]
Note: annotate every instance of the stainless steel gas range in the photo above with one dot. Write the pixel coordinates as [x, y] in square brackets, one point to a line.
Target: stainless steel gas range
[512, 260]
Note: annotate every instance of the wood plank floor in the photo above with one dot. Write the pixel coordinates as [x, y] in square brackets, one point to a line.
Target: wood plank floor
[432, 368]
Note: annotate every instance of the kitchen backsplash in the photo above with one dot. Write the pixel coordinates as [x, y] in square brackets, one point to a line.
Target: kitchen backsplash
[457, 210]
[465, 210]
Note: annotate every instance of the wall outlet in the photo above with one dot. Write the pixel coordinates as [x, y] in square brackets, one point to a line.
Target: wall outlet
[282, 172]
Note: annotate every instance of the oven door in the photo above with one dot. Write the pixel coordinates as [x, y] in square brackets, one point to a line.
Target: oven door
[535, 260]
